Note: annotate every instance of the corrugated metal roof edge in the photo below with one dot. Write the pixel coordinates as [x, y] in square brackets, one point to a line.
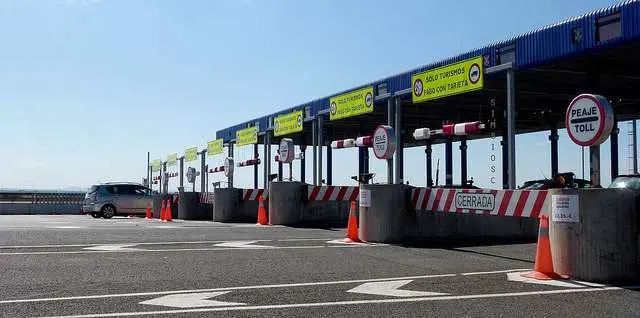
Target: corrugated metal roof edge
[453, 59]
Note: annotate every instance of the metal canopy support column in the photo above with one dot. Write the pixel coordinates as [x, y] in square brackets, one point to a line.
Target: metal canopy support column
[635, 147]
[463, 161]
[267, 159]
[399, 150]
[230, 154]
[614, 149]
[511, 128]
[360, 162]
[428, 151]
[280, 171]
[314, 142]
[164, 180]
[181, 174]
[303, 150]
[203, 172]
[553, 137]
[256, 167]
[448, 161]
[390, 118]
[320, 146]
[505, 159]
[329, 165]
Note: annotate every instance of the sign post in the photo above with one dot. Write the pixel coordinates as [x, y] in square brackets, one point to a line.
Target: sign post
[589, 121]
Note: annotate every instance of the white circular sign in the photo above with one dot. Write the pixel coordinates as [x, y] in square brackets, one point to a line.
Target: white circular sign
[589, 120]
[228, 166]
[384, 142]
[286, 150]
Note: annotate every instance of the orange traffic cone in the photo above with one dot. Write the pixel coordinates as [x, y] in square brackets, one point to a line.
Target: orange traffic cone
[148, 215]
[168, 217]
[352, 225]
[543, 268]
[262, 212]
[163, 211]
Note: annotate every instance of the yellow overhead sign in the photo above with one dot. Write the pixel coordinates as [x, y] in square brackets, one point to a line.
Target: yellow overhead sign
[247, 136]
[351, 104]
[215, 147]
[191, 154]
[288, 123]
[156, 165]
[453, 79]
[172, 159]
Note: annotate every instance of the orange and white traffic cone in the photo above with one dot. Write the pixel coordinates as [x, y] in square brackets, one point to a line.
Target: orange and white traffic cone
[168, 217]
[543, 268]
[352, 225]
[163, 211]
[147, 214]
[262, 212]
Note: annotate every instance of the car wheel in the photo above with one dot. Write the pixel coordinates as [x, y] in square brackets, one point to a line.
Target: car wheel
[96, 215]
[108, 211]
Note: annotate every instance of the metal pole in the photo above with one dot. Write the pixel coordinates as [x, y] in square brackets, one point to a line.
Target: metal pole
[463, 161]
[399, 151]
[165, 180]
[291, 172]
[553, 137]
[583, 163]
[635, 147]
[390, 112]
[149, 169]
[303, 149]
[320, 146]
[314, 142]
[279, 171]
[511, 127]
[203, 172]
[429, 160]
[614, 150]
[329, 165]
[267, 158]
[181, 159]
[255, 168]
[448, 162]
[230, 177]
[365, 158]
[595, 165]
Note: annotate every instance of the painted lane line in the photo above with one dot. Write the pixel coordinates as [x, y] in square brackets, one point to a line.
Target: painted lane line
[192, 300]
[351, 302]
[141, 294]
[517, 277]
[494, 272]
[391, 288]
[156, 243]
[113, 248]
[242, 244]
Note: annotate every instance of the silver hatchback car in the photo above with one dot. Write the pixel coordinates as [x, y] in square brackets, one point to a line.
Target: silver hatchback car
[118, 198]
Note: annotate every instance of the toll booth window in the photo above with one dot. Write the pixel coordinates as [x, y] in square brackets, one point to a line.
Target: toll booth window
[608, 27]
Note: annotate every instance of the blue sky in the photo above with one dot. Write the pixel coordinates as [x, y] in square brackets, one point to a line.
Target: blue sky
[88, 87]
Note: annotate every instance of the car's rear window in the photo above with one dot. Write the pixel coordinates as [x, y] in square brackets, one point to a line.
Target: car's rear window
[93, 189]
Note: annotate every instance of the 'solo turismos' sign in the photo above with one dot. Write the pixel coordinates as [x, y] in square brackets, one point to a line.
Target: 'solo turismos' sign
[448, 80]
[589, 120]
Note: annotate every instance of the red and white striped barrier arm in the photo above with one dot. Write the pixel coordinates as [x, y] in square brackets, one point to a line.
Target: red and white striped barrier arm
[332, 193]
[345, 143]
[217, 169]
[206, 197]
[250, 162]
[364, 141]
[462, 129]
[253, 194]
[516, 203]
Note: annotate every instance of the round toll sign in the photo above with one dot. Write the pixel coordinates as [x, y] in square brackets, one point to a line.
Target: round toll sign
[286, 150]
[384, 142]
[228, 166]
[589, 120]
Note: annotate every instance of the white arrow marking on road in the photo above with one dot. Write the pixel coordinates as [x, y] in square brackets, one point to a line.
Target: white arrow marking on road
[193, 300]
[113, 247]
[390, 288]
[240, 244]
[517, 277]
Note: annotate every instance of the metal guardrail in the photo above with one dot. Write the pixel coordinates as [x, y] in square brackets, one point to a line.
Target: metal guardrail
[42, 197]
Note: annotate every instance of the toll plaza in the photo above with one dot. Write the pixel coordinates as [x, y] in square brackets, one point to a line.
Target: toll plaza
[537, 81]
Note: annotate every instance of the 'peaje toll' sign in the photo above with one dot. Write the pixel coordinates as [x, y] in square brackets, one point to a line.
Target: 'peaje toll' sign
[589, 120]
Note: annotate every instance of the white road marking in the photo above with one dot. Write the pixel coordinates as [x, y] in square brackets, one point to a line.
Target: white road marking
[192, 300]
[65, 227]
[113, 248]
[390, 288]
[33, 300]
[494, 272]
[517, 277]
[133, 243]
[242, 244]
[351, 302]
[341, 241]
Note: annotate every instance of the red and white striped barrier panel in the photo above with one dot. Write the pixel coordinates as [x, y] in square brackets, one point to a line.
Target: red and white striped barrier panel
[250, 162]
[253, 194]
[332, 193]
[462, 129]
[206, 197]
[217, 169]
[516, 203]
[345, 143]
[364, 141]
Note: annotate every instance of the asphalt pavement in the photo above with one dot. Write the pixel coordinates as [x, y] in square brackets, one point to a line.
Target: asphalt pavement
[77, 266]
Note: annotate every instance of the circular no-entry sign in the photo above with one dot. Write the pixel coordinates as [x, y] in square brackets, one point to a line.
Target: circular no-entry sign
[228, 166]
[384, 142]
[589, 120]
[286, 150]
